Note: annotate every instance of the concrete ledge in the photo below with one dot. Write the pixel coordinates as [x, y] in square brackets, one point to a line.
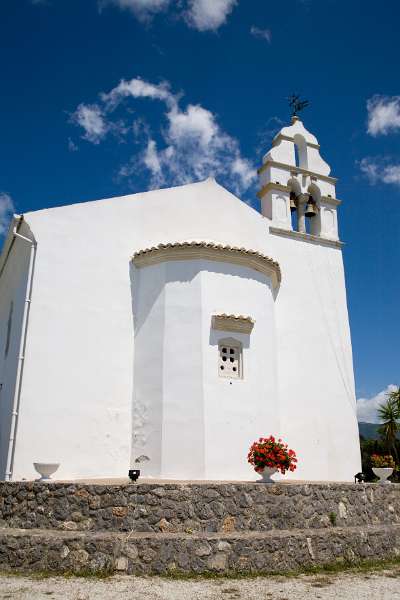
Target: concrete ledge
[306, 237]
[139, 553]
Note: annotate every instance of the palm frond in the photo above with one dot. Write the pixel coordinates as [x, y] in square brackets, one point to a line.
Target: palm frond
[389, 414]
[394, 396]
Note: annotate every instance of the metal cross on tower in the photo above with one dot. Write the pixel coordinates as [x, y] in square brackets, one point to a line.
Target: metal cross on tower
[296, 104]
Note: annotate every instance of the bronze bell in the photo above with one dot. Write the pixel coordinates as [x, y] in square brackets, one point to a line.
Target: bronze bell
[293, 202]
[311, 208]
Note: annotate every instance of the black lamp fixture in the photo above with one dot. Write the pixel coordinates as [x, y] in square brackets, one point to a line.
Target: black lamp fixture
[134, 474]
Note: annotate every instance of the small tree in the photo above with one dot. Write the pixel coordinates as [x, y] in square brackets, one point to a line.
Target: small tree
[394, 396]
[389, 414]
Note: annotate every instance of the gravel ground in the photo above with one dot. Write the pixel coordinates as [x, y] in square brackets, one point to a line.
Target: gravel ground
[382, 585]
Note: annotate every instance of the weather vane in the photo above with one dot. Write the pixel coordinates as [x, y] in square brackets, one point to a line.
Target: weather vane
[296, 104]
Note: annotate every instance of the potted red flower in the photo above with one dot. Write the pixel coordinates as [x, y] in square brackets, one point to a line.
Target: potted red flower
[382, 466]
[269, 455]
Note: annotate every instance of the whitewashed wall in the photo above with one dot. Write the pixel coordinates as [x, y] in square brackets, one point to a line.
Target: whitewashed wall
[239, 411]
[76, 401]
[190, 422]
[316, 381]
[82, 368]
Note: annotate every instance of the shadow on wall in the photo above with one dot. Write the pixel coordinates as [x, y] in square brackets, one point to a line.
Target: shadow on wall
[300, 149]
[143, 300]
[217, 336]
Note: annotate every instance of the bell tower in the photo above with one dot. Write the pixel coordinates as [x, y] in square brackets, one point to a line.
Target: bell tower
[297, 192]
[314, 358]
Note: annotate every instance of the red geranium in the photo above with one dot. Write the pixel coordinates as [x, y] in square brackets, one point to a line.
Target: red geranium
[268, 452]
[379, 461]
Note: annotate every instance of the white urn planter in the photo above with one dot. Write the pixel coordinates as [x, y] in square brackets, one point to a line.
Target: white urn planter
[45, 470]
[266, 475]
[383, 473]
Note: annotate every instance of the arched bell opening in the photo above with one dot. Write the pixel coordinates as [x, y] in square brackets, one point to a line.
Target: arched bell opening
[313, 210]
[294, 193]
[300, 151]
[310, 212]
[293, 199]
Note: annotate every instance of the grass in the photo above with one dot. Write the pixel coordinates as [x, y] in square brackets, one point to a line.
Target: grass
[40, 575]
[341, 566]
[332, 518]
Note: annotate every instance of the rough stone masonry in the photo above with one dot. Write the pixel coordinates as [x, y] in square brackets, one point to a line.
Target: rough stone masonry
[221, 527]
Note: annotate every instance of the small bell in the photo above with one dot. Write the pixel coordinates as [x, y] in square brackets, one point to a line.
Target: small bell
[311, 208]
[293, 202]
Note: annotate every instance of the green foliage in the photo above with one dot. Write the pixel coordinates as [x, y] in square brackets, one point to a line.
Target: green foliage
[389, 414]
[394, 396]
[332, 518]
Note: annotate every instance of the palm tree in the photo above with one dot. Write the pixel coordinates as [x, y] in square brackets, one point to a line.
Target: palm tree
[394, 396]
[389, 414]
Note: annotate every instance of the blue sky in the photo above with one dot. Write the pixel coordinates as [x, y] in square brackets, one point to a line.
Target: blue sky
[103, 98]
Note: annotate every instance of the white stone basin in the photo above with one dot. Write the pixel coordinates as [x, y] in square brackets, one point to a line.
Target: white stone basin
[45, 470]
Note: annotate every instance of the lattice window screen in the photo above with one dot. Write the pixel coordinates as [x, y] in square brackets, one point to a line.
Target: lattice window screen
[230, 360]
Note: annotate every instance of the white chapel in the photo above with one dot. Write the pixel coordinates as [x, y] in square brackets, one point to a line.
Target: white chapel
[172, 328]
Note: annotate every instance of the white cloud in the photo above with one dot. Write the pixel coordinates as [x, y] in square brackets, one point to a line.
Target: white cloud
[262, 34]
[367, 408]
[195, 123]
[383, 114]
[391, 174]
[191, 144]
[6, 211]
[142, 9]
[244, 170]
[369, 167]
[138, 88]
[90, 118]
[203, 15]
[195, 148]
[152, 160]
[378, 170]
[72, 147]
[209, 15]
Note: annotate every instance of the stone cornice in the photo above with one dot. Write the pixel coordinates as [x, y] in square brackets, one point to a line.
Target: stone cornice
[330, 200]
[288, 138]
[272, 186]
[306, 237]
[291, 168]
[209, 251]
[237, 323]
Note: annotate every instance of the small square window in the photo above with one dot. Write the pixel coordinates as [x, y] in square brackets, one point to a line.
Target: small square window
[230, 359]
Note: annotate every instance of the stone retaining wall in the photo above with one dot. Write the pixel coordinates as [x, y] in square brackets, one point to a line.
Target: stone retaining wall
[187, 508]
[272, 552]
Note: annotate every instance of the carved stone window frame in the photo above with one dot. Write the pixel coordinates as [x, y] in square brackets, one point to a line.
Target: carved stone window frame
[230, 359]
